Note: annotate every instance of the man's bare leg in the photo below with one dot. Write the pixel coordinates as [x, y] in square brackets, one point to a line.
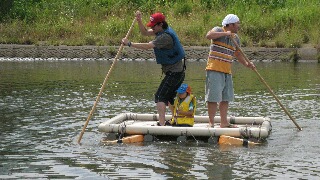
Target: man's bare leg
[212, 109]
[161, 107]
[223, 107]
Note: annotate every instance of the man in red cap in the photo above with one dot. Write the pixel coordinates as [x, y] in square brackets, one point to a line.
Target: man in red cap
[169, 53]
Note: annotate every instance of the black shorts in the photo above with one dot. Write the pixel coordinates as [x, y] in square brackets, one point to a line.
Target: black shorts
[167, 90]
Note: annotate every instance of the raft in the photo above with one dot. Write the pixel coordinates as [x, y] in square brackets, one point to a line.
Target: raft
[127, 124]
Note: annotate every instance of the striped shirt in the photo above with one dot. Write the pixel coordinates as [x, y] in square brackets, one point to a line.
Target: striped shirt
[221, 53]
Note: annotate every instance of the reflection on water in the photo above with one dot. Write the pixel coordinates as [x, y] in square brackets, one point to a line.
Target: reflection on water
[44, 104]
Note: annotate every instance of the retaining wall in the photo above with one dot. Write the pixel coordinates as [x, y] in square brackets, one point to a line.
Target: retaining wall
[109, 52]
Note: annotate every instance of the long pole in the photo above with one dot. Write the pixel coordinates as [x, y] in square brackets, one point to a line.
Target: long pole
[103, 84]
[265, 83]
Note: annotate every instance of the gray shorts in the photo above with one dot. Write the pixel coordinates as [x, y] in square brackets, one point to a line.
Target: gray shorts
[219, 87]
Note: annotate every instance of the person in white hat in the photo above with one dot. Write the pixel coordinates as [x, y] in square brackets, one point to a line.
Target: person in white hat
[219, 85]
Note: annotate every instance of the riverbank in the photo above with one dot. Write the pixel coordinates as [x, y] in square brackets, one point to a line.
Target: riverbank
[109, 52]
[270, 24]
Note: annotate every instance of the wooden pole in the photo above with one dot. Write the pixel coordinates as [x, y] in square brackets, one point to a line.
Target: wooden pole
[265, 83]
[104, 83]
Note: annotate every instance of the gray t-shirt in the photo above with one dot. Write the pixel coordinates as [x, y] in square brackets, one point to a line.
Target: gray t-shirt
[226, 39]
[165, 41]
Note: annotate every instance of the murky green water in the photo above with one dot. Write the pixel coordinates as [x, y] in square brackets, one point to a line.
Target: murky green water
[44, 105]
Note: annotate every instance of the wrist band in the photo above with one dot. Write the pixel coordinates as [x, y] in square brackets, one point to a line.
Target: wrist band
[129, 43]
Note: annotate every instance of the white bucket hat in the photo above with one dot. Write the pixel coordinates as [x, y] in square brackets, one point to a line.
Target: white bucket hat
[229, 19]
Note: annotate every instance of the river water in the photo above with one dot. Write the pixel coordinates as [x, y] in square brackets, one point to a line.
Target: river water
[45, 103]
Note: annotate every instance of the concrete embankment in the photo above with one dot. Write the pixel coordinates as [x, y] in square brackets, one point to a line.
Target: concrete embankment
[109, 52]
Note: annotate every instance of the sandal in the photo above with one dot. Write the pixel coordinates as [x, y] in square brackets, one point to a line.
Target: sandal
[166, 123]
[158, 124]
[210, 126]
[229, 126]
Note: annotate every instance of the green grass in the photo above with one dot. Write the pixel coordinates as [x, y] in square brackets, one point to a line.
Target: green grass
[268, 23]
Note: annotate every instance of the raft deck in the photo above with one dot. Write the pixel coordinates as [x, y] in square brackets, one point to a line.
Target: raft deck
[146, 124]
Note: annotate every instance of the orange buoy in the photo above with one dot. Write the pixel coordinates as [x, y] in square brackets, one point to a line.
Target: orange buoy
[229, 140]
[128, 139]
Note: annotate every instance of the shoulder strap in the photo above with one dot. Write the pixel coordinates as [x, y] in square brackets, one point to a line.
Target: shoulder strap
[194, 101]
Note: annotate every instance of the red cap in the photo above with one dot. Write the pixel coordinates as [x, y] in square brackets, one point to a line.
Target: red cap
[156, 18]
